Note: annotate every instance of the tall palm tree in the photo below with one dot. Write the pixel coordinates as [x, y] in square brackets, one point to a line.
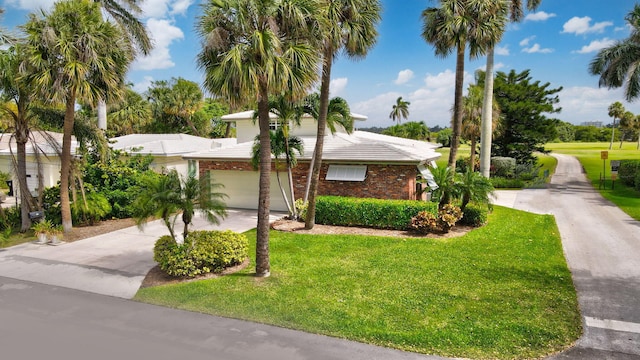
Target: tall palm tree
[73, 55]
[472, 106]
[130, 116]
[400, 110]
[636, 126]
[627, 120]
[453, 26]
[348, 25]
[616, 110]
[516, 13]
[618, 64]
[252, 49]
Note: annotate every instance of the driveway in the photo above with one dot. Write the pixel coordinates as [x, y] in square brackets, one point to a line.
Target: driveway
[110, 264]
[602, 247]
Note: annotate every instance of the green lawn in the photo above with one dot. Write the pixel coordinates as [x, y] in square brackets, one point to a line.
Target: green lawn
[588, 154]
[502, 291]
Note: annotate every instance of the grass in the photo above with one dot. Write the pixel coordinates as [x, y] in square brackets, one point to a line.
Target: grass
[502, 291]
[17, 238]
[626, 198]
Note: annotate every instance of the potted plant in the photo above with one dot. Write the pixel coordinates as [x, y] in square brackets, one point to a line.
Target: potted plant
[56, 234]
[42, 229]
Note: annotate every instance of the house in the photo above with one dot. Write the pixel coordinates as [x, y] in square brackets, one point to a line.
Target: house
[44, 147]
[360, 164]
[168, 149]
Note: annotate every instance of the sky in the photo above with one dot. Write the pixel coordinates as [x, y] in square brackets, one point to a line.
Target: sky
[556, 43]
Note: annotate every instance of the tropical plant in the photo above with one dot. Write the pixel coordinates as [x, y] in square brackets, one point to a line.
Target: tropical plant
[348, 25]
[252, 49]
[447, 190]
[452, 26]
[516, 13]
[627, 120]
[174, 104]
[617, 64]
[72, 54]
[473, 187]
[472, 105]
[130, 116]
[169, 196]
[616, 110]
[400, 110]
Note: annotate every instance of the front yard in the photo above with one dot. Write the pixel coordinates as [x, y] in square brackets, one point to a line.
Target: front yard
[501, 291]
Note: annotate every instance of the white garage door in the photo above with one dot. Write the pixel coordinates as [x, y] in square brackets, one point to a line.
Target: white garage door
[242, 188]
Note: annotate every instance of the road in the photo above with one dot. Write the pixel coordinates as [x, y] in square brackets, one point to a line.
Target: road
[602, 247]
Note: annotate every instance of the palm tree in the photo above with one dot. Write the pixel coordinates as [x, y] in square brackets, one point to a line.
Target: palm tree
[250, 50]
[627, 120]
[472, 118]
[516, 13]
[636, 126]
[473, 187]
[618, 64]
[72, 54]
[616, 110]
[453, 25]
[130, 116]
[16, 102]
[447, 189]
[349, 25]
[400, 110]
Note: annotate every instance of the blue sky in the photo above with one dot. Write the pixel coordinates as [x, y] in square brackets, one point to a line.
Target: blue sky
[556, 43]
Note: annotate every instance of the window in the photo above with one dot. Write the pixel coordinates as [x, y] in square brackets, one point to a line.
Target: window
[347, 172]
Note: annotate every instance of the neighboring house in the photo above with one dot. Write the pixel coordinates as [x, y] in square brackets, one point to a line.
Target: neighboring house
[361, 164]
[168, 149]
[43, 147]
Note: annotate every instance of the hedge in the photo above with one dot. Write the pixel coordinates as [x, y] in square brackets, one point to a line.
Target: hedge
[628, 172]
[366, 212]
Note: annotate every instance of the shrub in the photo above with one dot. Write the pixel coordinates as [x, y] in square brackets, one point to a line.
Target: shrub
[505, 183]
[10, 218]
[474, 215]
[628, 171]
[425, 222]
[462, 164]
[375, 213]
[201, 253]
[302, 207]
[91, 210]
[503, 166]
[638, 181]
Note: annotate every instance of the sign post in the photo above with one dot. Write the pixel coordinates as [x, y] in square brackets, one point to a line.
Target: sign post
[615, 165]
[604, 155]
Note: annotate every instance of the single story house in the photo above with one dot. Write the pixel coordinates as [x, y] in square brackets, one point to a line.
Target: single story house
[360, 164]
[44, 147]
[168, 149]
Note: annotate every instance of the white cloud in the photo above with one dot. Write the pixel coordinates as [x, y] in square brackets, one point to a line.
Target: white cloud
[526, 41]
[596, 45]
[496, 67]
[163, 33]
[539, 16]
[142, 86]
[582, 25]
[502, 50]
[582, 103]
[404, 76]
[337, 86]
[162, 8]
[180, 6]
[30, 5]
[537, 49]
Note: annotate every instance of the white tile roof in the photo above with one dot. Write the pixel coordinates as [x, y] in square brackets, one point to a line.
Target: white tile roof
[47, 142]
[361, 146]
[248, 115]
[167, 144]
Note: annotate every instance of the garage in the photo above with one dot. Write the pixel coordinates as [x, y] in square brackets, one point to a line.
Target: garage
[242, 188]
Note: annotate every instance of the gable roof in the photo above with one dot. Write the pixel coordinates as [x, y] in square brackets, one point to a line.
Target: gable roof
[360, 146]
[167, 144]
[45, 142]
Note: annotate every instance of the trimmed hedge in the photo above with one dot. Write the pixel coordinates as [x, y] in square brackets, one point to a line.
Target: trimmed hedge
[506, 183]
[628, 172]
[202, 252]
[374, 213]
[474, 215]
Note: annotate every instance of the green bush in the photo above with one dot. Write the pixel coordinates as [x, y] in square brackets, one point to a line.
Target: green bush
[628, 171]
[638, 181]
[425, 222]
[91, 210]
[474, 215]
[506, 183]
[503, 166]
[375, 213]
[201, 253]
[10, 218]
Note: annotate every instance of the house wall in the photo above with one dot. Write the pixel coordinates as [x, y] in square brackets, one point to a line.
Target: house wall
[246, 130]
[382, 181]
[50, 172]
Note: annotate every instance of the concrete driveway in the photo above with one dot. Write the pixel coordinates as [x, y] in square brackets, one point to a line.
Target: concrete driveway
[110, 264]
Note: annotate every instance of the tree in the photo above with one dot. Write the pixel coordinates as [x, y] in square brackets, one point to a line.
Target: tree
[17, 102]
[516, 13]
[130, 116]
[174, 104]
[472, 118]
[636, 126]
[73, 55]
[252, 49]
[627, 122]
[524, 127]
[472, 186]
[618, 64]
[400, 110]
[349, 25]
[453, 25]
[616, 110]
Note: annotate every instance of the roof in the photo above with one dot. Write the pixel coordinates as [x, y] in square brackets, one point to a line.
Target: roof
[167, 144]
[248, 115]
[46, 142]
[360, 146]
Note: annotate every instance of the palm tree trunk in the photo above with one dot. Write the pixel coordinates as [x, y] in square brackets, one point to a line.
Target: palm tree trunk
[472, 156]
[622, 134]
[102, 115]
[263, 266]
[22, 186]
[322, 125]
[65, 159]
[457, 108]
[284, 193]
[613, 132]
[486, 128]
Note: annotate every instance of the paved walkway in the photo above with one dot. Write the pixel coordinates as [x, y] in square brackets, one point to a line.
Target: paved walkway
[110, 264]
